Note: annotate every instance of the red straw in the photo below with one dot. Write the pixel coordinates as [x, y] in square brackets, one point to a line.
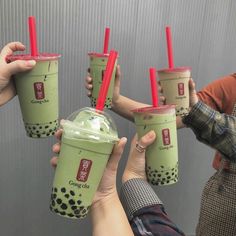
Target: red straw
[106, 80]
[152, 72]
[33, 37]
[169, 47]
[106, 40]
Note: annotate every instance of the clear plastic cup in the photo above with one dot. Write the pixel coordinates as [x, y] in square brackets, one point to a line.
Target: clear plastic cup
[87, 142]
[162, 155]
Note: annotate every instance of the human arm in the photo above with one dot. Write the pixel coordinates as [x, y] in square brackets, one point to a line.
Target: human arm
[7, 88]
[107, 214]
[144, 209]
[213, 128]
[120, 104]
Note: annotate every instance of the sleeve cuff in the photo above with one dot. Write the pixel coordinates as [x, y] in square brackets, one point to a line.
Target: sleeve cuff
[199, 116]
[136, 194]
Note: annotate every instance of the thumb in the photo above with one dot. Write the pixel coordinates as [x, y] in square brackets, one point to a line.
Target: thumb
[192, 93]
[144, 142]
[116, 154]
[19, 66]
[117, 77]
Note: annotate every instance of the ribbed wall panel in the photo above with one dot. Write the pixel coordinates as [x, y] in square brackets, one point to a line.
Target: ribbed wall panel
[204, 35]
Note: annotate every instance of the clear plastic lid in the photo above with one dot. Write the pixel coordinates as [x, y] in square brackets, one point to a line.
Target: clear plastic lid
[90, 124]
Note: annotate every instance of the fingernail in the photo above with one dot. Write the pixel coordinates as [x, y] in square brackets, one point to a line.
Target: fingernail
[151, 134]
[30, 63]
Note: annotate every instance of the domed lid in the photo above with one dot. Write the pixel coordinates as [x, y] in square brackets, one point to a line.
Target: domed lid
[90, 124]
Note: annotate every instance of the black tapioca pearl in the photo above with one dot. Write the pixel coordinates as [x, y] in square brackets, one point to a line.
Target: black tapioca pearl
[55, 189]
[59, 201]
[55, 121]
[72, 193]
[167, 173]
[159, 175]
[37, 124]
[37, 131]
[30, 134]
[163, 179]
[149, 167]
[162, 183]
[63, 190]
[63, 206]
[74, 208]
[55, 210]
[53, 133]
[77, 212]
[79, 202]
[50, 130]
[62, 213]
[71, 202]
[47, 134]
[38, 135]
[46, 126]
[172, 173]
[67, 195]
[168, 177]
[40, 127]
[34, 127]
[162, 167]
[50, 122]
[84, 211]
[70, 215]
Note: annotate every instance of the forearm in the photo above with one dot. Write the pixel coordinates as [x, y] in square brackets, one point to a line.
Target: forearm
[213, 128]
[145, 210]
[124, 105]
[108, 218]
[7, 94]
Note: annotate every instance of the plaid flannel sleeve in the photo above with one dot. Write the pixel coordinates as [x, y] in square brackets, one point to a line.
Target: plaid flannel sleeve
[213, 128]
[145, 211]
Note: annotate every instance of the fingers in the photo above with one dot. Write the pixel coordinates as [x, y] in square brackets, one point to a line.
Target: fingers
[146, 140]
[191, 85]
[116, 154]
[58, 134]
[56, 148]
[88, 84]
[10, 48]
[54, 161]
[19, 66]
[162, 100]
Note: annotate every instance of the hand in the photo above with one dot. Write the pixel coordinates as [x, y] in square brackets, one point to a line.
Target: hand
[7, 89]
[116, 92]
[193, 98]
[107, 186]
[135, 167]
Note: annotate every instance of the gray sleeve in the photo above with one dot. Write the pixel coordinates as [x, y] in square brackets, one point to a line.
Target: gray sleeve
[136, 194]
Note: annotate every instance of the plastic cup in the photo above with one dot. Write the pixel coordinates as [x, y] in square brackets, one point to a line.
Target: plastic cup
[87, 142]
[175, 84]
[98, 64]
[37, 91]
[162, 155]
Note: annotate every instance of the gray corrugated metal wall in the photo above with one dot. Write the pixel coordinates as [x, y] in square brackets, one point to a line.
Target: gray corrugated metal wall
[204, 36]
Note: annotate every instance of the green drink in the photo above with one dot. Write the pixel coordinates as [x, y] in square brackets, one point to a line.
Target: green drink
[87, 142]
[162, 155]
[175, 85]
[98, 64]
[37, 90]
